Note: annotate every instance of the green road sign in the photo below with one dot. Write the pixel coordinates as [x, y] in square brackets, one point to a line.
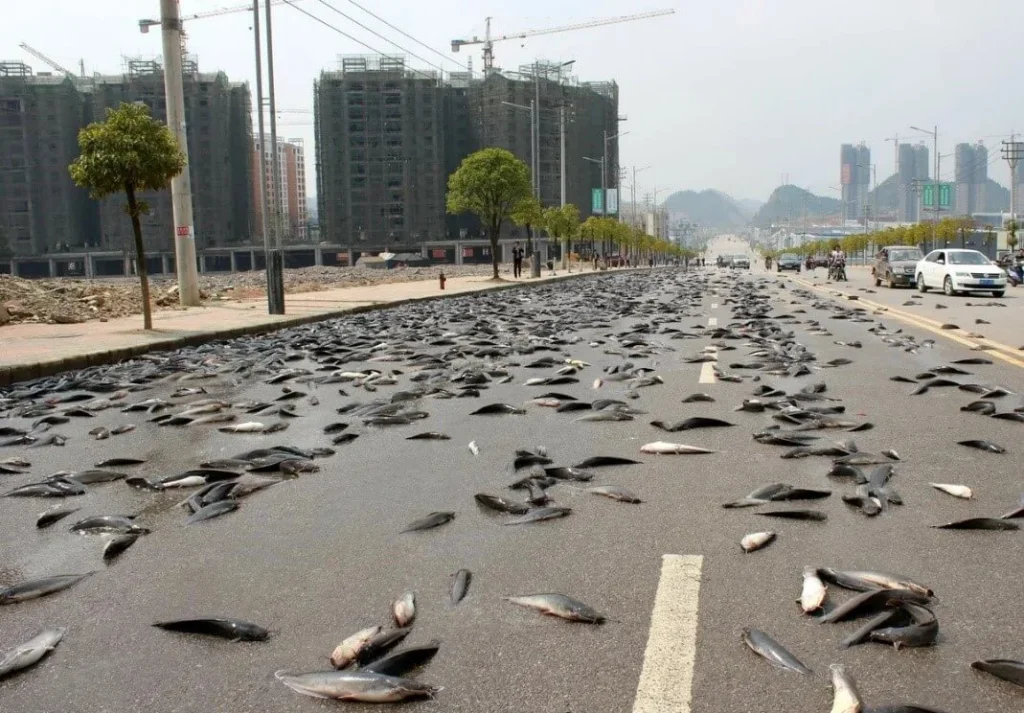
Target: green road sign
[596, 201]
[945, 195]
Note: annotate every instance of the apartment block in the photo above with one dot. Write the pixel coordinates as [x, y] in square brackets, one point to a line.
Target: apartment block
[971, 178]
[913, 170]
[291, 156]
[855, 179]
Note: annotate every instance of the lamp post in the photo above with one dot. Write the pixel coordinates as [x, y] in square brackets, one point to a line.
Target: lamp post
[874, 198]
[632, 197]
[935, 183]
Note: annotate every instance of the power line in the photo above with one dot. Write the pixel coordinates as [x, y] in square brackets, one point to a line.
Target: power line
[406, 34]
[348, 36]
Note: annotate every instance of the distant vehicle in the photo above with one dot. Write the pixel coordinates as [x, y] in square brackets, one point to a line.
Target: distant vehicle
[896, 265]
[956, 271]
[740, 262]
[787, 261]
[725, 260]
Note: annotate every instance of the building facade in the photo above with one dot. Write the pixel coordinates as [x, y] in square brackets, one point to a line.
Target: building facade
[971, 178]
[291, 155]
[42, 211]
[913, 170]
[855, 179]
[388, 137]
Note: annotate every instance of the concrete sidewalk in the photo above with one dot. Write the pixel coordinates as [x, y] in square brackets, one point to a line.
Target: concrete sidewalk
[28, 351]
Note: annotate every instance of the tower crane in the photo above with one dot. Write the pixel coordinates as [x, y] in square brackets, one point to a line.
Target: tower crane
[144, 25]
[488, 41]
[39, 55]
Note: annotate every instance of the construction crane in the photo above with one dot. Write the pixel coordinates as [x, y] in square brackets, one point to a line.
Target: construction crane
[144, 25]
[488, 42]
[39, 55]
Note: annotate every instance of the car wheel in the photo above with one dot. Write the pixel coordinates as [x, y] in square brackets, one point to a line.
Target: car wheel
[947, 286]
[890, 283]
[798, 269]
[878, 280]
[921, 287]
[999, 293]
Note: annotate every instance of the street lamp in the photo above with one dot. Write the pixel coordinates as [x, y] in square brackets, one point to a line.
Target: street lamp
[632, 198]
[873, 167]
[935, 190]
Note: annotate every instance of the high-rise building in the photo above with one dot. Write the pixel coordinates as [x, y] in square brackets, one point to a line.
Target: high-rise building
[855, 179]
[291, 156]
[41, 209]
[388, 138]
[971, 178]
[913, 169]
[219, 168]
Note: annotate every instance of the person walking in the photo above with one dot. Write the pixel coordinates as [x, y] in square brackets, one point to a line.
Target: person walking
[517, 260]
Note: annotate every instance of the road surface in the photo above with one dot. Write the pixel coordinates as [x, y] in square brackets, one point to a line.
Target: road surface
[316, 558]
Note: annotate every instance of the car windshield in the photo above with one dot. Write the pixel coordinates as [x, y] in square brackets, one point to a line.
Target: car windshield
[967, 258]
[787, 256]
[905, 255]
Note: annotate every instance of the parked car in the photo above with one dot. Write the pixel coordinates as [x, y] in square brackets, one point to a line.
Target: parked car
[955, 271]
[726, 260]
[787, 261]
[740, 262]
[896, 265]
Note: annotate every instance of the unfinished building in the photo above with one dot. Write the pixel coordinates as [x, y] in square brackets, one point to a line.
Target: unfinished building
[41, 209]
[379, 153]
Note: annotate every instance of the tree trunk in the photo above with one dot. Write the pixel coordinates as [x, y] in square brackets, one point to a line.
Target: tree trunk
[140, 256]
[495, 228]
[565, 253]
[529, 240]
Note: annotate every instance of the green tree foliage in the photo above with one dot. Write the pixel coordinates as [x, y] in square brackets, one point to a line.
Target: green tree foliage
[1011, 229]
[491, 184]
[131, 152]
[530, 215]
[563, 223]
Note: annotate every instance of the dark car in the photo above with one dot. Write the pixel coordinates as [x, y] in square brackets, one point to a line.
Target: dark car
[895, 265]
[787, 261]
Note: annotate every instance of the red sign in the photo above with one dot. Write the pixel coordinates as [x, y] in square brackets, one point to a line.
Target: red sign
[183, 231]
[467, 252]
[438, 253]
[845, 175]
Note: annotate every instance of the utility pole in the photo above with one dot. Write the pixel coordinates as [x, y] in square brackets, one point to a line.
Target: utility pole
[1012, 151]
[561, 139]
[181, 185]
[275, 264]
[533, 145]
[264, 207]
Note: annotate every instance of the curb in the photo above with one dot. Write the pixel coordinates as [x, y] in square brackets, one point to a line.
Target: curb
[10, 375]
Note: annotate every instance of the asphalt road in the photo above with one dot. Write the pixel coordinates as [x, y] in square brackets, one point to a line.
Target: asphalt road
[316, 558]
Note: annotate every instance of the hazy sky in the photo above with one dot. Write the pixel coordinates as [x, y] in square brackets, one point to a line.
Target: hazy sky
[726, 94]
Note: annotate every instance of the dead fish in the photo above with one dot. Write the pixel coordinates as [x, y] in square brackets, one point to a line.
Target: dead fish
[474, 448]
[429, 436]
[1006, 669]
[96, 475]
[862, 581]
[233, 629]
[213, 510]
[348, 650]
[118, 545]
[122, 429]
[460, 585]
[870, 602]
[33, 589]
[402, 662]
[118, 524]
[796, 514]
[985, 408]
[861, 634]
[699, 397]
[568, 473]
[100, 433]
[559, 605]
[608, 415]
[923, 631]
[615, 492]
[501, 408]
[403, 609]
[247, 427]
[664, 448]
[845, 697]
[957, 491]
[434, 519]
[113, 462]
[979, 523]
[31, 652]
[51, 516]
[756, 540]
[691, 423]
[772, 651]
[983, 446]
[498, 504]
[813, 592]
[540, 515]
[1010, 416]
[381, 644]
[602, 461]
[362, 686]
[343, 438]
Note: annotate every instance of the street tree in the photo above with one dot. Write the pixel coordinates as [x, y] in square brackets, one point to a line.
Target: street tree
[491, 184]
[132, 152]
[563, 223]
[1011, 234]
[530, 215]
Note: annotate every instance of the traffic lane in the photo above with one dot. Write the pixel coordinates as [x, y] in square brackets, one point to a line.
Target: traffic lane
[333, 538]
[758, 589]
[962, 310]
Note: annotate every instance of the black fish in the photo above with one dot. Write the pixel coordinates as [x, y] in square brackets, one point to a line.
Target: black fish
[497, 409]
[540, 515]
[525, 459]
[923, 631]
[50, 517]
[979, 523]
[335, 427]
[343, 438]
[986, 408]
[689, 423]
[429, 436]
[381, 644]
[119, 524]
[573, 406]
[460, 585]
[434, 519]
[569, 473]
[1010, 416]
[878, 621]
[215, 509]
[870, 602]
[118, 545]
[501, 505]
[983, 446]
[1006, 669]
[796, 514]
[33, 589]
[233, 629]
[694, 398]
[601, 461]
[404, 661]
[120, 461]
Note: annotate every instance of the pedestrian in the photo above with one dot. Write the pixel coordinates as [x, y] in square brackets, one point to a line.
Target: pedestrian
[517, 260]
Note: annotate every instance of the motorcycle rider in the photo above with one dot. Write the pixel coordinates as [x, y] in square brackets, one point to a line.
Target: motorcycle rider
[837, 264]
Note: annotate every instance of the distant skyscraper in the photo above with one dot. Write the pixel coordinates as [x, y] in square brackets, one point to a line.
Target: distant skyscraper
[971, 176]
[291, 156]
[855, 179]
[913, 168]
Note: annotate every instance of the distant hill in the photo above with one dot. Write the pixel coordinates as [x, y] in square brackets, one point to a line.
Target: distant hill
[709, 208]
[997, 198]
[790, 202]
[749, 206]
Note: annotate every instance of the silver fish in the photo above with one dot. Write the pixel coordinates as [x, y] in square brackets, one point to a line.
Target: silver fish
[31, 652]
[615, 492]
[347, 651]
[356, 686]
[957, 491]
[404, 609]
[772, 651]
[846, 698]
[559, 605]
[663, 448]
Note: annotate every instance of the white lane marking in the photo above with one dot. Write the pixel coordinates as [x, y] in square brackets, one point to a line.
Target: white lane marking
[666, 679]
[712, 321]
[707, 373]
[714, 305]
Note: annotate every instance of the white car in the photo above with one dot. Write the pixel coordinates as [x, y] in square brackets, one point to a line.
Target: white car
[955, 271]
